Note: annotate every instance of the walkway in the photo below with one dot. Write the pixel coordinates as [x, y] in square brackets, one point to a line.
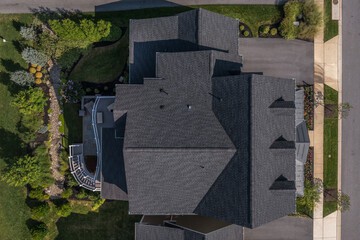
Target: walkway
[326, 63]
[24, 6]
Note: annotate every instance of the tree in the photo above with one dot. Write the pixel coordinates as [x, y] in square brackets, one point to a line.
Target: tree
[28, 33]
[343, 202]
[64, 209]
[343, 109]
[79, 34]
[38, 231]
[38, 193]
[312, 193]
[22, 78]
[30, 102]
[25, 170]
[40, 211]
[33, 56]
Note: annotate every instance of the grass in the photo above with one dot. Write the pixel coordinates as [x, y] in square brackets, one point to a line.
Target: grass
[72, 126]
[331, 27]
[111, 222]
[252, 15]
[330, 149]
[329, 207]
[102, 64]
[13, 210]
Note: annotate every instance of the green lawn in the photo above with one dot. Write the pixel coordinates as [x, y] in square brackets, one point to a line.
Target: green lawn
[331, 27]
[13, 210]
[102, 64]
[330, 148]
[111, 222]
[72, 124]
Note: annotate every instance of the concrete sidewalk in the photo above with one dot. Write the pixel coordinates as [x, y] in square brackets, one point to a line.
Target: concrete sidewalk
[327, 57]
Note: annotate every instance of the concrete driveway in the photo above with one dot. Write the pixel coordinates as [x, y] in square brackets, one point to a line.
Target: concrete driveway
[286, 228]
[278, 57]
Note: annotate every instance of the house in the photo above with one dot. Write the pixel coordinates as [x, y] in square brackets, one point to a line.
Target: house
[195, 142]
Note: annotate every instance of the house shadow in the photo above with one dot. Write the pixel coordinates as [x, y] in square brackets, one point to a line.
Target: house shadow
[123, 5]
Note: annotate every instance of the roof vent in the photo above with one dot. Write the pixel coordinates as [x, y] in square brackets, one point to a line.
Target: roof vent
[189, 106]
[162, 106]
[163, 91]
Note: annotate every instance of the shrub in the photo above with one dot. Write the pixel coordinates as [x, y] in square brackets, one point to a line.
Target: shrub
[38, 193]
[106, 88]
[63, 210]
[273, 31]
[38, 81]
[81, 194]
[242, 27]
[38, 68]
[28, 33]
[31, 55]
[38, 75]
[72, 91]
[97, 204]
[22, 78]
[96, 91]
[246, 33]
[30, 102]
[38, 231]
[265, 29]
[88, 90]
[312, 20]
[32, 70]
[67, 193]
[80, 34]
[40, 211]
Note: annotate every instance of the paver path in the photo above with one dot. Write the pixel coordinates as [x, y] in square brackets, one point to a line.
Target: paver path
[55, 137]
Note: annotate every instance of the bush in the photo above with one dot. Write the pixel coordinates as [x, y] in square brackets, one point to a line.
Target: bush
[40, 211]
[246, 33]
[273, 31]
[81, 194]
[38, 81]
[28, 33]
[38, 193]
[264, 30]
[72, 91]
[30, 102]
[64, 209]
[96, 91]
[97, 204]
[67, 193]
[88, 90]
[33, 56]
[242, 27]
[38, 68]
[38, 75]
[80, 34]
[312, 20]
[22, 78]
[38, 231]
[32, 70]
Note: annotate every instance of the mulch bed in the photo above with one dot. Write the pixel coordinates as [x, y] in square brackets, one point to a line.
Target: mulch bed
[277, 35]
[309, 106]
[241, 32]
[309, 165]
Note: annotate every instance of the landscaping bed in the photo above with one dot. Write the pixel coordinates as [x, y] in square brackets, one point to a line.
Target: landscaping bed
[309, 106]
[244, 30]
[330, 147]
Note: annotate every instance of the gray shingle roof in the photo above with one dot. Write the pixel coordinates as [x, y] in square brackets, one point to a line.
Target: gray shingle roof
[189, 31]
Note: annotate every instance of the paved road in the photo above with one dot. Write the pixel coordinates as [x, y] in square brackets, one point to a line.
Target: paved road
[286, 228]
[23, 6]
[350, 229]
[278, 57]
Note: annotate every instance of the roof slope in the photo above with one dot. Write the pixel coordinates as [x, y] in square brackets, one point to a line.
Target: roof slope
[194, 30]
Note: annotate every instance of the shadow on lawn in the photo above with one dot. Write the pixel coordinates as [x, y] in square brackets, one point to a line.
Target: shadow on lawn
[12, 87]
[11, 146]
[10, 65]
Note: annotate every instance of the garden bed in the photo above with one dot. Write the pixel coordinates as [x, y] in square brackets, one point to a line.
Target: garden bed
[244, 31]
[269, 31]
[309, 106]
